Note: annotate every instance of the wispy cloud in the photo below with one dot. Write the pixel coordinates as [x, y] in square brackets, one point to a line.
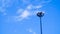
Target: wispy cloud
[29, 7]
[38, 2]
[8, 3]
[34, 6]
[3, 11]
[5, 3]
[25, 13]
[21, 13]
[31, 31]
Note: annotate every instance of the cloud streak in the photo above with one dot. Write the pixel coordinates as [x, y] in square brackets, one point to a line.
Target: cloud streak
[31, 31]
[27, 12]
[23, 15]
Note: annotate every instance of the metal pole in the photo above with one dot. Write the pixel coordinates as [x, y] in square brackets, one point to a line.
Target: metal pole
[40, 15]
[41, 25]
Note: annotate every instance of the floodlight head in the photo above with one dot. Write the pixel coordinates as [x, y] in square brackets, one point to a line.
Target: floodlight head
[40, 14]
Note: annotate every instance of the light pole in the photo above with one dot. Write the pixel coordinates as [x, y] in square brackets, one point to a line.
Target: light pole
[40, 15]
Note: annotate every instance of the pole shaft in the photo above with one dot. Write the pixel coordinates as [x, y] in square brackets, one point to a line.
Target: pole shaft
[41, 25]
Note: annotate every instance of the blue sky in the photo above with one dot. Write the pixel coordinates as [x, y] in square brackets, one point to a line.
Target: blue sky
[19, 16]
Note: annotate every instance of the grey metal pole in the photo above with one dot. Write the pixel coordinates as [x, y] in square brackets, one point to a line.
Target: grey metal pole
[40, 15]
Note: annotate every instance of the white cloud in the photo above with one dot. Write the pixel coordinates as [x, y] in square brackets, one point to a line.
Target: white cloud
[29, 7]
[23, 15]
[3, 11]
[8, 3]
[31, 31]
[5, 3]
